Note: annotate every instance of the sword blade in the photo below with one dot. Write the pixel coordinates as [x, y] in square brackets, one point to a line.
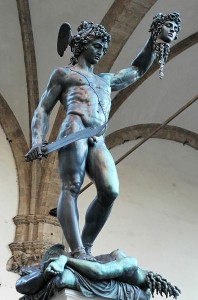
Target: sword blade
[82, 134]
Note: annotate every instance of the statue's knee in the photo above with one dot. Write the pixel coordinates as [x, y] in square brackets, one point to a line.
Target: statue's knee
[112, 193]
[73, 188]
[108, 196]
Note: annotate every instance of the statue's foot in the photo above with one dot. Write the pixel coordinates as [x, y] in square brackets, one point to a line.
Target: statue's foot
[85, 257]
[88, 247]
[80, 253]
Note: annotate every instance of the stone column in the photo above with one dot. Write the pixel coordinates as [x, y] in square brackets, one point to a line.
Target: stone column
[34, 233]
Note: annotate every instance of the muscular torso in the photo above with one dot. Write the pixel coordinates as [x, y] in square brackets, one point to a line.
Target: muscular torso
[86, 95]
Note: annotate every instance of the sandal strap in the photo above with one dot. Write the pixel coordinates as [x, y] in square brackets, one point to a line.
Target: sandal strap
[79, 250]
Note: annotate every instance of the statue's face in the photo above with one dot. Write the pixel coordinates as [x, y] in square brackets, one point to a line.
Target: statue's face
[169, 31]
[95, 50]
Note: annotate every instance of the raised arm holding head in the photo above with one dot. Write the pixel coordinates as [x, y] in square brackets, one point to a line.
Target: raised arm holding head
[138, 68]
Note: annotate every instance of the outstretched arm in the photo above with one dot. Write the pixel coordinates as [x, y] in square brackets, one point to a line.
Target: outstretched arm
[122, 267]
[145, 58]
[125, 269]
[96, 270]
[139, 66]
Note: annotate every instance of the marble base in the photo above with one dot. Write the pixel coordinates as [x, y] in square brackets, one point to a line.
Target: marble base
[68, 294]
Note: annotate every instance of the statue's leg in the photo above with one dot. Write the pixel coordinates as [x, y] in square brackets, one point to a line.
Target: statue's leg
[72, 161]
[101, 169]
[72, 170]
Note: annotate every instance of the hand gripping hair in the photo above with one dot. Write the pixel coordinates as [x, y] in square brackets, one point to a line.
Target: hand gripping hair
[51, 253]
[162, 49]
[87, 31]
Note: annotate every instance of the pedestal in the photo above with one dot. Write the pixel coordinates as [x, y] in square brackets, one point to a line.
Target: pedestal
[68, 294]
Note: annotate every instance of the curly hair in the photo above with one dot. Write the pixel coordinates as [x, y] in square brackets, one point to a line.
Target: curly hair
[160, 19]
[156, 283]
[87, 31]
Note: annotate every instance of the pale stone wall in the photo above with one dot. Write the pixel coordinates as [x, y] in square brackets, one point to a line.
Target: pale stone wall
[8, 209]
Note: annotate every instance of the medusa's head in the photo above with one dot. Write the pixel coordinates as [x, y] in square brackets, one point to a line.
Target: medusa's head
[166, 27]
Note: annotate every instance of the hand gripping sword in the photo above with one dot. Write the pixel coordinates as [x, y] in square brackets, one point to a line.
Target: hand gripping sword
[66, 140]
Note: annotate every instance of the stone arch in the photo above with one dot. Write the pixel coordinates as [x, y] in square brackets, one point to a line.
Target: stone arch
[168, 132]
[19, 147]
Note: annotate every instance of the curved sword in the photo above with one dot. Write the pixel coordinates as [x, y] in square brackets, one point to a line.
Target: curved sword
[66, 140]
[82, 134]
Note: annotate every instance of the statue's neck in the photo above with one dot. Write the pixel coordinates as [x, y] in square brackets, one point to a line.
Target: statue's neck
[83, 64]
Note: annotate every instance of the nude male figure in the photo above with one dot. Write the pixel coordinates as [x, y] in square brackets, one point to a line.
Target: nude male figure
[86, 99]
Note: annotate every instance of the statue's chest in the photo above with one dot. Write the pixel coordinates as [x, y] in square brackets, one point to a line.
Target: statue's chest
[91, 80]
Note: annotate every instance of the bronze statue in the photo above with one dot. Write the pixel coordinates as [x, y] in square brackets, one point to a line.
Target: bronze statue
[118, 277]
[86, 99]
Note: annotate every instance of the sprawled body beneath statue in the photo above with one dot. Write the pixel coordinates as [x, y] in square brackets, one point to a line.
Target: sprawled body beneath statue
[111, 276]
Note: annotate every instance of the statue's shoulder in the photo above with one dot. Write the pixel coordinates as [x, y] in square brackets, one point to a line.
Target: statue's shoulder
[61, 71]
[105, 77]
[60, 74]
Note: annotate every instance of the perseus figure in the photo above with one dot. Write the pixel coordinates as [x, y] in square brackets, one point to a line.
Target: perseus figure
[85, 97]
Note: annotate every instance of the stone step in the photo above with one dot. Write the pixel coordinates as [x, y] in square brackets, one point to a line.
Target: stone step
[68, 294]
